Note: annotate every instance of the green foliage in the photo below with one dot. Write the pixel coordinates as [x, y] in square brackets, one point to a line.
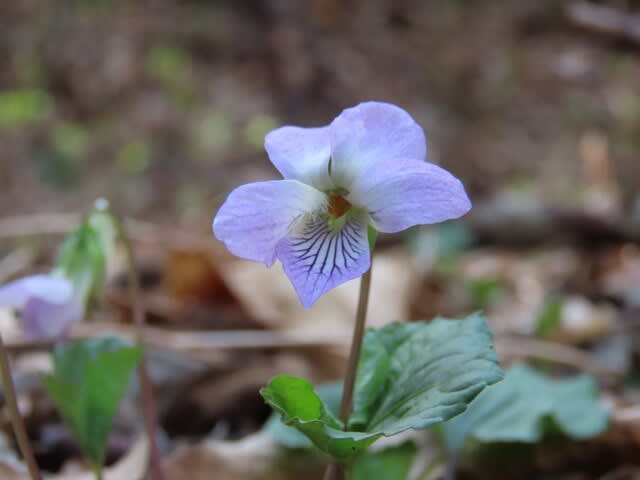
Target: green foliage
[329, 393]
[21, 106]
[101, 220]
[525, 406]
[61, 162]
[82, 260]
[392, 463]
[484, 291]
[214, 133]
[171, 66]
[134, 157]
[90, 378]
[440, 244]
[409, 376]
[550, 316]
[70, 140]
[168, 63]
[257, 128]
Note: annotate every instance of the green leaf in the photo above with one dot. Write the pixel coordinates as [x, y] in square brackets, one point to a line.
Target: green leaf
[299, 406]
[550, 317]
[21, 106]
[410, 376]
[329, 393]
[484, 291]
[89, 380]
[82, 260]
[525, 406]
[392, 463]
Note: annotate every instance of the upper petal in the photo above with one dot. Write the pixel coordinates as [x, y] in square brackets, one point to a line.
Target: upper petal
[401, 193]
[301, 154]
[368, 133]
[256, 216]
[317, 259]
[49, 288]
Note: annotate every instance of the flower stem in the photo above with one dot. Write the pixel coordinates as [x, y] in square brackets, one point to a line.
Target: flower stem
[16, 419]
[335, 471]
[148, 399]
[97, 470]
[356, 345]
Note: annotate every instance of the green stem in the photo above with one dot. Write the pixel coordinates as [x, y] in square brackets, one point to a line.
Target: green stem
[97, 470]
[335, 471]
[16, 418]
[146, 388]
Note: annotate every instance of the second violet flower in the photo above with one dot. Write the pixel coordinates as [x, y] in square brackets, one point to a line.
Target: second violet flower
[367, 168]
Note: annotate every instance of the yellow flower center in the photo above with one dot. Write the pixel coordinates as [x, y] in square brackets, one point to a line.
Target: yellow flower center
[338, 206]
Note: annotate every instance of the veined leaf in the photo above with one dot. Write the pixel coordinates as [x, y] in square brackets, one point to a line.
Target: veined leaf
[409, 376]
[524, 406]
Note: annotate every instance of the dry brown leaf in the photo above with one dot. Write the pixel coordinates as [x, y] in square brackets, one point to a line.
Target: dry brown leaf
[252, 458]
[132, 467]
[269, 297]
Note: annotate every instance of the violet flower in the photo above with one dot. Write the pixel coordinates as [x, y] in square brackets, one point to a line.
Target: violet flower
[367, 168]
[47, 304]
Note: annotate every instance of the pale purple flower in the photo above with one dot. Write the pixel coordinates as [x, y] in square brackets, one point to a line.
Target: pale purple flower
[47, 304]
[366, 168]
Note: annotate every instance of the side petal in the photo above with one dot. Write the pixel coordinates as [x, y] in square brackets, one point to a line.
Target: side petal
[42, 319]
[16, 294]
[368, 133]
[317, 260]
[256, 216]
[301, 154]
[401, 193]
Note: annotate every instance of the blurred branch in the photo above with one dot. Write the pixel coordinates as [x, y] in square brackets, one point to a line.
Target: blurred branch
[61, 223]
[14, 263]
[605, 21]
[488, 223]
[194, 342]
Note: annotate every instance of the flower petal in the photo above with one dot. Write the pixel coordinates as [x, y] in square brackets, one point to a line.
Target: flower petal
[316, 259]
[401, 193]
[301, 154]
[256, 216]
[51, 289]
[368, 133]
[42, 319]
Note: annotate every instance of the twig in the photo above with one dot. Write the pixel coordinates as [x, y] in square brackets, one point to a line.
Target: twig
[61, 223]
[197, 341]
[520, 347]
[14, 263]
[16, 418]
[333, 472]
[605, 21]
[451, 466]
[148, 399]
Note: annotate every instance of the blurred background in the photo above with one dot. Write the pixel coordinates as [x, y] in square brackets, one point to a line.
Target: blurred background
[162, 107]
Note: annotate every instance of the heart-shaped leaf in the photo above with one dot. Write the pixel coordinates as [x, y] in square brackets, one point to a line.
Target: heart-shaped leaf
[89, 380]
[525, 406]
[409, 376]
